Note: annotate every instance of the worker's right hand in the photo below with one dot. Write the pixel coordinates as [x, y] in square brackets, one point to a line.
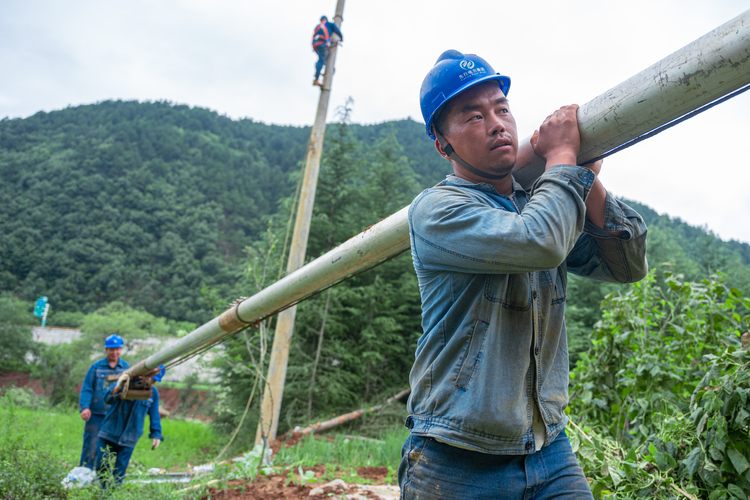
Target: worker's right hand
[557, 141]
[86, 415]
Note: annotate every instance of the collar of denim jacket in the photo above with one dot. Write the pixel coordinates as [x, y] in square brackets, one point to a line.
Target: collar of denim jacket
[482, 186]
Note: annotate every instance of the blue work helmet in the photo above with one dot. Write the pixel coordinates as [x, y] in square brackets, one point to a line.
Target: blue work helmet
[323, 18]
[114, 340]
[158, 376]
[452, 74]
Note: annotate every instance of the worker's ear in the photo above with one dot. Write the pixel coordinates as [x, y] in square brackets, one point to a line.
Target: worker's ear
[440, 149]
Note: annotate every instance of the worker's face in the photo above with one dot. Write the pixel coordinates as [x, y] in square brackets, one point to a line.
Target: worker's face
[481, 129]
[113, 354]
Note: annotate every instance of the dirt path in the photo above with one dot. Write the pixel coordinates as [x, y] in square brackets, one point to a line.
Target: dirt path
[279, 487]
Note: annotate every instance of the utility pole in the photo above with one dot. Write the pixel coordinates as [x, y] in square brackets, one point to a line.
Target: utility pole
[274, 387]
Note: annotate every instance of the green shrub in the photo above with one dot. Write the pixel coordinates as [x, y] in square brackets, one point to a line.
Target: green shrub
[26, 471]
[24, 397]
[662, 395]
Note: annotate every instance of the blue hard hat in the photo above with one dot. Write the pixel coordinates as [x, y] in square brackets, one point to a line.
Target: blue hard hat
[323, 18]
[158, 376]
[453, 73]
[114, 340]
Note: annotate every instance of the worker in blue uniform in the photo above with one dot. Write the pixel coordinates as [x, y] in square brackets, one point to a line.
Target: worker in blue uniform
[91, 403]
[123, 426]
[320, 43]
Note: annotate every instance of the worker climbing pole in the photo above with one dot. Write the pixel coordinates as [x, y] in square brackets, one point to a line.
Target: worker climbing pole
[274, 386]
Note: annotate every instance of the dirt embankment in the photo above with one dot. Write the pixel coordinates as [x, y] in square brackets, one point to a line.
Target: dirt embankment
[191, 403]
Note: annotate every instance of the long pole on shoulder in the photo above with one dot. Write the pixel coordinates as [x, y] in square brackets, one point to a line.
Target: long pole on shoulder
[710, 69]
[274, 387]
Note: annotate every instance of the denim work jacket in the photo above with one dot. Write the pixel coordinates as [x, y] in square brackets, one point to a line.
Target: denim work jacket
[92, 390]
[492, 273]
[123, 424]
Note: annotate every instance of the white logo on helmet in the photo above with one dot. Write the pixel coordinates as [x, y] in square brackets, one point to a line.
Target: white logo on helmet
[466, 64]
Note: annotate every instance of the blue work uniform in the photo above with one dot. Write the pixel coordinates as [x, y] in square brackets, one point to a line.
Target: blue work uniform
[123, 426]
[92, 398]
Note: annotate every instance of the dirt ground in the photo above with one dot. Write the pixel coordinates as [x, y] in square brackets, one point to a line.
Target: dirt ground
[279, 487]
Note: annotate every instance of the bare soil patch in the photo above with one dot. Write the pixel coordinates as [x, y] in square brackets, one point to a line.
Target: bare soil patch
[278, 486]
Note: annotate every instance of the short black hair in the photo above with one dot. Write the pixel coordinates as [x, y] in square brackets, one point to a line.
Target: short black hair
[440, 123]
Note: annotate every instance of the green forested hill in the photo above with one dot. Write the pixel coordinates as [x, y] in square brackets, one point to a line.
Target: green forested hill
[143, 202]
[148, 203]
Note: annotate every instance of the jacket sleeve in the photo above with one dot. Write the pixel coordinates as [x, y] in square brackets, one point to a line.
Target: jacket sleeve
[335, 29]
[87, 390]
[110, 398]
[602, 256]
[154, 418]
[452, 229]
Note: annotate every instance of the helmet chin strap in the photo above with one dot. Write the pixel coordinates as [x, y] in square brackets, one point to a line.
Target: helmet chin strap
[452, 154]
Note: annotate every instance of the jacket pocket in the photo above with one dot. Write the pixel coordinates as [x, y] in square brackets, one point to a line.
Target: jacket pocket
[558, 284]
[97, 399]
[513, 291]
[472, 355]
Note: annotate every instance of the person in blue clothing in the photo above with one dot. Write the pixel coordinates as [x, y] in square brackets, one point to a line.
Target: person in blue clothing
[320, 43]
[91, 403]
[123, 427]
[490, 376]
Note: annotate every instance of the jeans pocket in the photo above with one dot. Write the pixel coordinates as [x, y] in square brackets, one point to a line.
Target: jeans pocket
[472, 355]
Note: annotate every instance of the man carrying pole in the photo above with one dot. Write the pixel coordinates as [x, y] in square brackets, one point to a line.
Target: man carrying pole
[123, 426]
[490, 379]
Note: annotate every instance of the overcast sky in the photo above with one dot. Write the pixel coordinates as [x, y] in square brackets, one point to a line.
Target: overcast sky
[253, 59]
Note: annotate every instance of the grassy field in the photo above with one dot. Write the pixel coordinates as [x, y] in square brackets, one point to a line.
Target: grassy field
[61, 432]
[40, 445]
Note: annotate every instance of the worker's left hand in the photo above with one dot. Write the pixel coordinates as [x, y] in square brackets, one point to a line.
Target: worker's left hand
[558, 140]
[155, 443]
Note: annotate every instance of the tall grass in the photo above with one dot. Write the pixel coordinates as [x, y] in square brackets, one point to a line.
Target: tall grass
[311, 451]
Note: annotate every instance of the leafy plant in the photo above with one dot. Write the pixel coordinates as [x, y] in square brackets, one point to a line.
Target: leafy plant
[662, 395]
[305, 477]
[248, 465]
[646, 352]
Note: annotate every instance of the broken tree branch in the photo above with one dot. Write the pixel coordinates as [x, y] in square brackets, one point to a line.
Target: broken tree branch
[329, 424]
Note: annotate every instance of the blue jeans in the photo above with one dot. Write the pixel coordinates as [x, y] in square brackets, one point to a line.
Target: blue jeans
[322, 52]
[430, 470]
[122, 460]
[90, 437]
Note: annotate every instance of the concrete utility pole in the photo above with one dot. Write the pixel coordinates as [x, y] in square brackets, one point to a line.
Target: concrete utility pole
[274, 388]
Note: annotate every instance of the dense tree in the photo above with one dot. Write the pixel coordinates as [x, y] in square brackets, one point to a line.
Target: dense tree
[16, 341]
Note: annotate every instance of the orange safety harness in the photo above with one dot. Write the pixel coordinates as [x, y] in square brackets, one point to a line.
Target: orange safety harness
[320, 35]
